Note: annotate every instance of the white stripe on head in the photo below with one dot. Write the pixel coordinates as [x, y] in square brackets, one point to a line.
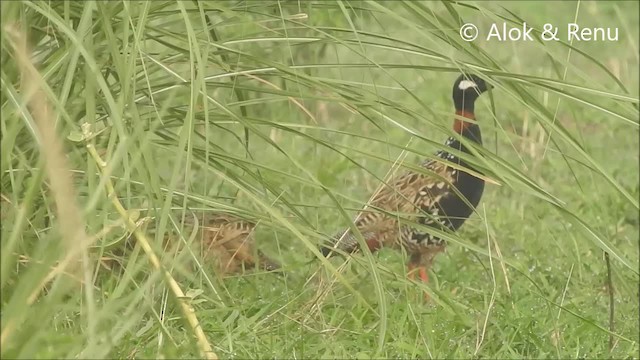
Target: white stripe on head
[465, 84]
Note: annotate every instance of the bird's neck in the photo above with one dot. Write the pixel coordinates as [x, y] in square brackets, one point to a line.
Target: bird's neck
[465, 125]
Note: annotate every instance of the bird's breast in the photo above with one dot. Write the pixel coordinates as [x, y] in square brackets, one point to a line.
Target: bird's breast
[460, 204]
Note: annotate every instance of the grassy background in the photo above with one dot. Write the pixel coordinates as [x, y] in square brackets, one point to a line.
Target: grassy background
[291, 114]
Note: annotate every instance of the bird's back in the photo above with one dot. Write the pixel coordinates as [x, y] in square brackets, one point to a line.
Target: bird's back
[412, 197]
[230, 242]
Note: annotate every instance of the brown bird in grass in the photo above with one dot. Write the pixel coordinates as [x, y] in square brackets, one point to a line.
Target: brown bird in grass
[229, 242]
[441, 198]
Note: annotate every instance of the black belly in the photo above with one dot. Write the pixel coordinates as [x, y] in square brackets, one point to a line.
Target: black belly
[453, 210]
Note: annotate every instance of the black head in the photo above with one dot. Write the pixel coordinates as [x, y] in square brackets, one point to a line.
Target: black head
[466, 90]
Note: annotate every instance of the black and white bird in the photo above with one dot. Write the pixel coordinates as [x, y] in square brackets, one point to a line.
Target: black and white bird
[442, 197]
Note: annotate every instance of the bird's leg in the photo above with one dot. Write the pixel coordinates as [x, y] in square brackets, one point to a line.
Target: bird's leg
[411, 272]
[416, 263]
[424, 276]
[422, 270]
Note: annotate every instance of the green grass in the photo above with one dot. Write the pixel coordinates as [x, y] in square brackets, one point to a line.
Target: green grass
[303, 118]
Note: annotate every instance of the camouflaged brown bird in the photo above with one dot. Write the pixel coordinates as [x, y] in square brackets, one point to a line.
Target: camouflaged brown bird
[229, 243]
[442, 197]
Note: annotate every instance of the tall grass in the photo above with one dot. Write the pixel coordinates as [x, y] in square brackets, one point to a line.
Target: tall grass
[293, 114]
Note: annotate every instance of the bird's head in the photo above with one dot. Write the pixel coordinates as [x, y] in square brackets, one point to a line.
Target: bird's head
[466, 90]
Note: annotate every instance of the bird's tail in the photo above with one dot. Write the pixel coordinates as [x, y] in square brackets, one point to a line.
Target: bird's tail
[345, 241]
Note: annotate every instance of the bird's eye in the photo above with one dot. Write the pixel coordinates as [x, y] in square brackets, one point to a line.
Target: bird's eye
[465, 84]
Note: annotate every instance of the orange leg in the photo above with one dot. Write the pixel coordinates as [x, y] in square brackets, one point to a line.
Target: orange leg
[412, 271]
[424, 276]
